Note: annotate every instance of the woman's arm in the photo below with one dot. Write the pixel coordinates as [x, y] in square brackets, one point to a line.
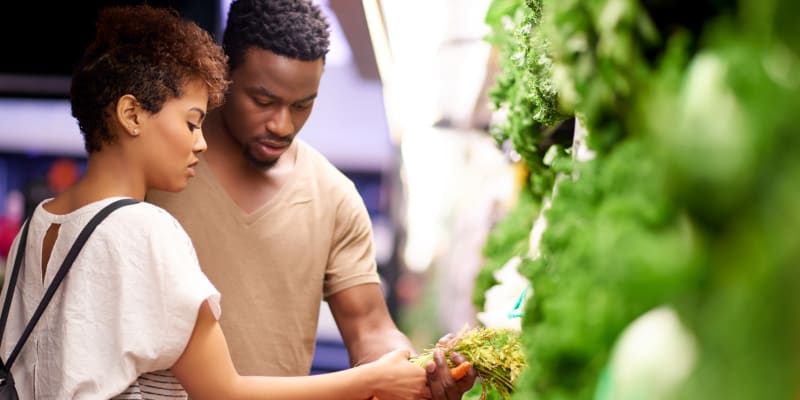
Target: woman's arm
[206, 371]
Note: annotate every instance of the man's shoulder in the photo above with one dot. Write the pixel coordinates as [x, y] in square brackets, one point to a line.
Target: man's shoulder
[323, 172]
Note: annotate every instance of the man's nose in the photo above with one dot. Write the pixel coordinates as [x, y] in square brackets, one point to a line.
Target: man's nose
[281, 122]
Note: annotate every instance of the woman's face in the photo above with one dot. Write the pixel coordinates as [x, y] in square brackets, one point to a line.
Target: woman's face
[174, 138]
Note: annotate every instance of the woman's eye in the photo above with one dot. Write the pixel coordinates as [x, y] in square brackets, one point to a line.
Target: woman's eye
[192, 127]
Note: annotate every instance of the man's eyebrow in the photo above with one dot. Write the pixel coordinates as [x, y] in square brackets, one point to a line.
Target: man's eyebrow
[264, 92]
[309, 98]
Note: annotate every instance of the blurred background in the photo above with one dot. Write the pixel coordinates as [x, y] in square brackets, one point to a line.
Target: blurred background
[410, 203]
[618, 181]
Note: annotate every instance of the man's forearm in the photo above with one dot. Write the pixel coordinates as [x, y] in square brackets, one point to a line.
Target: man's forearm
[372, 346]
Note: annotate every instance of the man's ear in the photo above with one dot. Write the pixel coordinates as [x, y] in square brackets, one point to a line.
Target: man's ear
[128, 114]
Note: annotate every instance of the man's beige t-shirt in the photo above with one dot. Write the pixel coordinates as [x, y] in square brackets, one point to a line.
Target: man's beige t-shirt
[275, 265]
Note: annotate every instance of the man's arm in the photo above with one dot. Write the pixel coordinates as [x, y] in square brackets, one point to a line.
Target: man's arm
[360, 311]
[365, 324]
[369, 332]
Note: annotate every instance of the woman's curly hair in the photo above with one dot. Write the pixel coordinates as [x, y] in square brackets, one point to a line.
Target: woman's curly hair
[292, 28]
[148, 52]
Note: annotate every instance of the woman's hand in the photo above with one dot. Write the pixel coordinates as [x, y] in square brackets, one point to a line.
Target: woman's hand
[399, 379]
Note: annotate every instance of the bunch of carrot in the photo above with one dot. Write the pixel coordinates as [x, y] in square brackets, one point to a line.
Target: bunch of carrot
[496, 355]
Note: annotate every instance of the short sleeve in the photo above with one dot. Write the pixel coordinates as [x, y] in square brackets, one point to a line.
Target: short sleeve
[185, 286]
[352, 258]
[174, 289]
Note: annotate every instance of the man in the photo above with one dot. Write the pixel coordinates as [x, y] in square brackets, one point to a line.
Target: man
[277, 227]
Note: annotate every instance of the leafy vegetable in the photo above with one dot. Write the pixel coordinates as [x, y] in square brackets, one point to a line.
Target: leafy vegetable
[524, 90]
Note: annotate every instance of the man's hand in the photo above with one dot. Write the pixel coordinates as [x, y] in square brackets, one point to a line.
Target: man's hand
[440, 380]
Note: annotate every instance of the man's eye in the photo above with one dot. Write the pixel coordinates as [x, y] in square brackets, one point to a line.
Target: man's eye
[301, 107]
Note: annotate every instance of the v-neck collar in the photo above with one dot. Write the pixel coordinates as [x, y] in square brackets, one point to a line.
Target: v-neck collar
[292, 186]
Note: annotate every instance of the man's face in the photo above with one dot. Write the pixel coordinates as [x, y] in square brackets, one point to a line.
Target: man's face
[270, 100]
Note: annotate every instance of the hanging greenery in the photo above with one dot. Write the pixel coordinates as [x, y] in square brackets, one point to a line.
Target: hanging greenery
[614, 248]
[731, 154]
[523, 89]
[691, 201]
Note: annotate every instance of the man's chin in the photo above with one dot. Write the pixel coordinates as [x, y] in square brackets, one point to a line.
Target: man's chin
[260, 163]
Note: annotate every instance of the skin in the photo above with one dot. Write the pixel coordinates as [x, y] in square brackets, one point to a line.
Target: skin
[250, 136]
[158, 151]
[441, 381]
[390, 377]
[252, 153]
[152, 151]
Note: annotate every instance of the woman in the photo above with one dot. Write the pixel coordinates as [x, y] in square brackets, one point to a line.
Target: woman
[135, 317]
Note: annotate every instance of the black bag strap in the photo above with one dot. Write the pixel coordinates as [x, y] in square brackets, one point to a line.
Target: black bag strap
[12, 281]
[62, 272]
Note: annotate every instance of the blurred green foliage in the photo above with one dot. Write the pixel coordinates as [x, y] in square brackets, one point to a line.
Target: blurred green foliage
[691, 201]
[508, 238]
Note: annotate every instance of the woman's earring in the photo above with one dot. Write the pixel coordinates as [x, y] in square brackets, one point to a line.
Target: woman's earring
[135, 131]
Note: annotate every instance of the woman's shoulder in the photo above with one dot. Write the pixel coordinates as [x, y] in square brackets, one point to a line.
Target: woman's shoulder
[146, 216]
[146, 228]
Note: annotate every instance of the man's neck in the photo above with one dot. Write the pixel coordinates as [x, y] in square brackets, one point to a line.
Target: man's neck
[221, 145]
[249, 186]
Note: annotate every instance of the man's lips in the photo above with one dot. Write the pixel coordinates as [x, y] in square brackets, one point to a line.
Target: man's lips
[274, 145]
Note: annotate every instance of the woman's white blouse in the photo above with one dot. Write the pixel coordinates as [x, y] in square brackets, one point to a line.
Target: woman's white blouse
[127, 307]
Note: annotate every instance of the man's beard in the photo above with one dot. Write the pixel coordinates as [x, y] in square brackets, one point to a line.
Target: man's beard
[249, 154]
[259, 164]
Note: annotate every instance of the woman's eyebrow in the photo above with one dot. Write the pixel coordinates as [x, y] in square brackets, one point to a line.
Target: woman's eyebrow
[202, 113]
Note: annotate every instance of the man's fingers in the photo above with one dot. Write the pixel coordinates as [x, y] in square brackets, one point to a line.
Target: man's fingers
[468, 380]
[457, 358]
[443, 386]
[442, 368]
[446, 338]
[434, 382]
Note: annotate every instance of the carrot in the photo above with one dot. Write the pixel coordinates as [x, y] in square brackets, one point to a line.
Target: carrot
[460, 370]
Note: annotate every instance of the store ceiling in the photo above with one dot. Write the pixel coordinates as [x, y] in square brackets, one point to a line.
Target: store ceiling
[451, 31]
[350, 16]
[433, 60]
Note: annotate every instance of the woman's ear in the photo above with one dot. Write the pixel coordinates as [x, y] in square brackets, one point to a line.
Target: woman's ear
[128, 114]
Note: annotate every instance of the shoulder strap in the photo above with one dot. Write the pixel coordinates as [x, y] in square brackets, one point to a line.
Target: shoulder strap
[12, 280]
[62, 272]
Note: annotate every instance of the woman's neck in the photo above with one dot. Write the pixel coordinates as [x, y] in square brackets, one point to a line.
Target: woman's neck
[106, 176]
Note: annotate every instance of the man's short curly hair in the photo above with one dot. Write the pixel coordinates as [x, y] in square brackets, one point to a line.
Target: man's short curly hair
[148, 52]
[292, 28]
